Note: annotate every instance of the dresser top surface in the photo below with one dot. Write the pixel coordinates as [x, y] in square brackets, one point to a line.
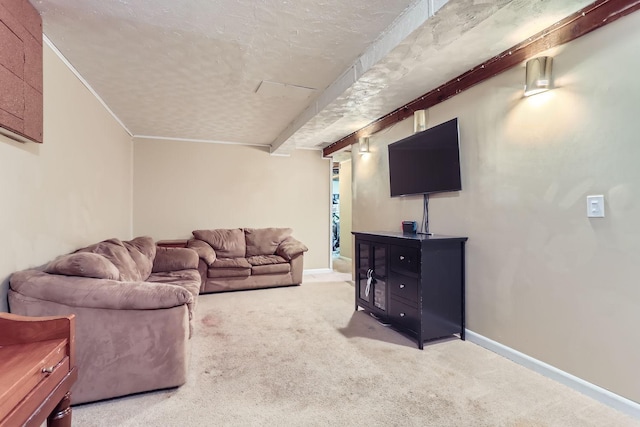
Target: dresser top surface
[408, 236]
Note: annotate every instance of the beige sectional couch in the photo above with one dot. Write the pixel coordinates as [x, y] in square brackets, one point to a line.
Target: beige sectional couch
[134, 304]
[249, 258]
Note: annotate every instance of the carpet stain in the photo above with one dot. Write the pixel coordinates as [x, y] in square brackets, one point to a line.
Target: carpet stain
[210, 320]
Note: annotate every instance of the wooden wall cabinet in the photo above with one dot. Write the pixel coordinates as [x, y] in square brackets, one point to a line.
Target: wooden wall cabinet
[21, 101]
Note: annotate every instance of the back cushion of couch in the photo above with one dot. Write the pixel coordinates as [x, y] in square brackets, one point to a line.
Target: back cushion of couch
[228, 243]
[83, 264]
[116, 252]
[143, 251]
[264, 241]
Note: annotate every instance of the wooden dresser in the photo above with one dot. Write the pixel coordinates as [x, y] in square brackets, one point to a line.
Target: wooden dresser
[37, 370]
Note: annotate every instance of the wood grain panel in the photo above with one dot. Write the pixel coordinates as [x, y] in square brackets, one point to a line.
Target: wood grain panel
[21, 86]
[11, 93]
[10, 51]
[33, 111]
[33, 63]
[35, 357]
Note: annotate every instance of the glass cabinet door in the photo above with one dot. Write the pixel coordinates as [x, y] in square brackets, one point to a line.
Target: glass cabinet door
[372, 276]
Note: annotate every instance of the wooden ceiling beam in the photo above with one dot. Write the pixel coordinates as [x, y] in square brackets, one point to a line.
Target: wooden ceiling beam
[590, 18]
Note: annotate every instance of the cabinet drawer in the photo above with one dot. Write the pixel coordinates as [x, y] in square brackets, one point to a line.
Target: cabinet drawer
[404, 259]
[404, 316]
[404, 287]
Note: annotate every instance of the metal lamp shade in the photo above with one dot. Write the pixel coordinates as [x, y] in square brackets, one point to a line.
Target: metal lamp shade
[538, 77]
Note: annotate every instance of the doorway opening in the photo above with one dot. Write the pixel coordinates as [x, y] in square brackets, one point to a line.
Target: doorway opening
[341, 239]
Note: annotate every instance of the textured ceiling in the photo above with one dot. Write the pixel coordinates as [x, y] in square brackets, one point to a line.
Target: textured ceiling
[285, 73]
[461, 35]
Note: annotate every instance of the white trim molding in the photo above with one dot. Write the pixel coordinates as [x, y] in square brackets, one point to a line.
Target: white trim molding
[598, 393]
[86, 84]
[317, 271]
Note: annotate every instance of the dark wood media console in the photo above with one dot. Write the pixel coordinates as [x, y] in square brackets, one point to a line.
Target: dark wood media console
[414, 282]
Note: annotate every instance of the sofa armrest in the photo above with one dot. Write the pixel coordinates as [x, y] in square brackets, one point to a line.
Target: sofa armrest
[290, 247]
[173, 259]
[203, 249]
[87, 292]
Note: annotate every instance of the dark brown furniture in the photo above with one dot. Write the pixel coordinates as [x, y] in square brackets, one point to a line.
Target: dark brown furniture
[414, 282]
[37, 370]
[178, 243]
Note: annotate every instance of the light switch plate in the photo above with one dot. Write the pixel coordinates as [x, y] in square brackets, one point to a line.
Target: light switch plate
[595, 206]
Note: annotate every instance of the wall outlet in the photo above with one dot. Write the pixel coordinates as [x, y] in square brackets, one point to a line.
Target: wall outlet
[595, 206]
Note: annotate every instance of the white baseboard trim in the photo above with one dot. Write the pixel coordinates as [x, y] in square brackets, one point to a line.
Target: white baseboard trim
[600, 394]
[317, 271]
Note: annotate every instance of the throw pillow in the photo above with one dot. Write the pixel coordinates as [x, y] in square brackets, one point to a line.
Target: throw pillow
[264, 241]
[84, 264]
[228, 243]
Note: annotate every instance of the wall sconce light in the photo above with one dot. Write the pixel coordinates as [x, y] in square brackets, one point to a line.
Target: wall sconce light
[363, 145]
[419, 120]
[538, 75]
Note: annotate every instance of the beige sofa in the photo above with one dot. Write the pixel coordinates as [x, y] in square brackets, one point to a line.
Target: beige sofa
[249, 258]
[134, 305]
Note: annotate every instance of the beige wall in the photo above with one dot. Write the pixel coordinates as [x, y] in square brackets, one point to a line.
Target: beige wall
[72, 190]
[346, 244]
[185, 186]
[542, 278]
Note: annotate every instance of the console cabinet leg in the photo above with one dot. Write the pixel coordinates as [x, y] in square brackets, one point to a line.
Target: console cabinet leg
[61, 415]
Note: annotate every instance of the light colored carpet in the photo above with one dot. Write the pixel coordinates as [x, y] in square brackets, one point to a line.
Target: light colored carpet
[301, 356]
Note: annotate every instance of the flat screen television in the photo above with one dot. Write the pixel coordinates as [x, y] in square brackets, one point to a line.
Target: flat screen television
[426, 162]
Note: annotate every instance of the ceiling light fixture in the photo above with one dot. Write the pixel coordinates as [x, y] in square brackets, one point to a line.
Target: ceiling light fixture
[538, 75]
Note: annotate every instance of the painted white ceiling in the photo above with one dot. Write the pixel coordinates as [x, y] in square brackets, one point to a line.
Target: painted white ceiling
[285, 73]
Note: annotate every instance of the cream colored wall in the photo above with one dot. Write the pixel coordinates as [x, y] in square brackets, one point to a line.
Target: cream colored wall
[346, 244]
[72, 190]
[185, 186]
[541, 277]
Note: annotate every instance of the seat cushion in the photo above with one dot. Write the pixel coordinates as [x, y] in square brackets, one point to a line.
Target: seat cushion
[271, 269]
[231, 263]
[264, 241]
[228, 243]
[266, 260]
[218, 272]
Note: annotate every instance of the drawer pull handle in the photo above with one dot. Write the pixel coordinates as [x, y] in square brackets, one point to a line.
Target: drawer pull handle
[401, 258]
[402, 286]
[48, 370]
[401, 314]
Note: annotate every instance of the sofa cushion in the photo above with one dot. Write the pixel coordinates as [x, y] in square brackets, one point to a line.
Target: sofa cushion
[143, 251]
[266, 260]
[172, 259]
[228, 272]
[84, 264]
[228, 243]
[203, 249]
[115, 251]
[187, 279]
[230, 267]
[290, 247]
[231, 263]
[271, 269]
[264, 241]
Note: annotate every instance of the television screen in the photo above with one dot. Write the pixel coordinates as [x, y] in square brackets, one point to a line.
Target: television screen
[426, 162]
